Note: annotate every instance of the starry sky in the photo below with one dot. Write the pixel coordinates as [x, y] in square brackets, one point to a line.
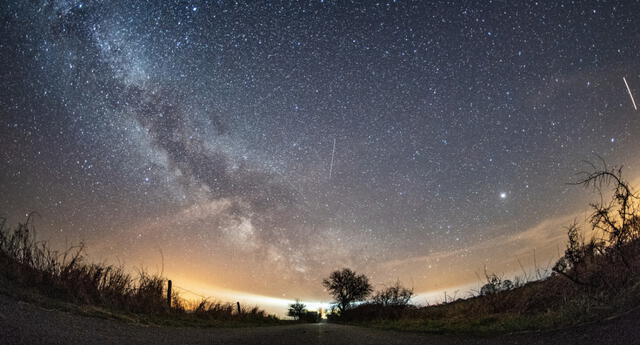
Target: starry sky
[253, 147]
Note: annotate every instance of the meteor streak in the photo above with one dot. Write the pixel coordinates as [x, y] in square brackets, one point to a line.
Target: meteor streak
[630, 94]
[333, 152]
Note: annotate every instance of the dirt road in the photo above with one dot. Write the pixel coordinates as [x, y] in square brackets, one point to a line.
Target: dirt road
[23, 323]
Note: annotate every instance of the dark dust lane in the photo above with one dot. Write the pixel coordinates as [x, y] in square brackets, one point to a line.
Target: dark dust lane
[23, 323]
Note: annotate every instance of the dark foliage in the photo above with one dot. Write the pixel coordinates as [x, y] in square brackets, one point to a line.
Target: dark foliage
[347, 287]
[297, 310]
[310, 317]
[610, 260]
[395, 295]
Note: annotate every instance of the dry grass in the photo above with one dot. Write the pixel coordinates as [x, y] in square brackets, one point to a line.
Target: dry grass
[550, 303]
[67, 276]
[594, 279]
[216, 310]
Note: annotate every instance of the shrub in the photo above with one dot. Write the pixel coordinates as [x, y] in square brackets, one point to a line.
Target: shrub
[310, 317]
[495, 284]
[395, 295]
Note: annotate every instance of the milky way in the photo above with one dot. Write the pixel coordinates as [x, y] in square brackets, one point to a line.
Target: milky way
[259, 145]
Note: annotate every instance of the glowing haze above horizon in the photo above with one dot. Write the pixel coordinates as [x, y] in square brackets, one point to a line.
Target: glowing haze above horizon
[197, 137]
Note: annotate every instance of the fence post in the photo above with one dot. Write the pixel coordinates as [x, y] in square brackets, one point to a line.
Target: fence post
[239, 310]
[169, 293]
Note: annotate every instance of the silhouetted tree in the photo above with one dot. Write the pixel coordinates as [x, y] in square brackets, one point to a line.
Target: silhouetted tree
[615, 224]
[347, 287]
[617, 219]
[395, 295]
[297, 310]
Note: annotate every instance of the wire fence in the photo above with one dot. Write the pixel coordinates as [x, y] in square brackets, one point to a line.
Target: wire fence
[192, 292]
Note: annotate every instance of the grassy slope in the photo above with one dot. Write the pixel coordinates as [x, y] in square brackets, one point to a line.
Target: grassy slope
[31, 271]
[474, 317]
[594, 280]
[33, 295]
[605, 288]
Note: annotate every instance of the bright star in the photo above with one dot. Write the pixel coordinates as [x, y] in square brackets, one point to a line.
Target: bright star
[503, 195]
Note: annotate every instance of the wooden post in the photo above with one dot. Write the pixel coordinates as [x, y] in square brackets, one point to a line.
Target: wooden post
[239, 310]
[169, 293]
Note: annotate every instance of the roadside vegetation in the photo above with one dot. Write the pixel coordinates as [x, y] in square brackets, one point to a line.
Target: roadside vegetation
[595, 279]
[298, 311]
[31, 270]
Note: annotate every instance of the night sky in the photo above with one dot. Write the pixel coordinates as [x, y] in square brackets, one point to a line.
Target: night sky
[203, 132]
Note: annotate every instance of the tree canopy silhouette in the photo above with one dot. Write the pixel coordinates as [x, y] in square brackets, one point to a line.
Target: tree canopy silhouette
[297, 310]
[347, 287]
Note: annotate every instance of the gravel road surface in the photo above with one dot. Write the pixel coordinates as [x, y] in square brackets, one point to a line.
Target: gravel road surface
[24, 323]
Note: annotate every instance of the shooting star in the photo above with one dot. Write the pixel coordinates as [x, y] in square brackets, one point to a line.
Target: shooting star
[630, 94]
[333, 152]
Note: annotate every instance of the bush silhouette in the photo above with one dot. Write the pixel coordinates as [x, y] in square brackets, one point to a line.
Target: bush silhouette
[395, 295]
